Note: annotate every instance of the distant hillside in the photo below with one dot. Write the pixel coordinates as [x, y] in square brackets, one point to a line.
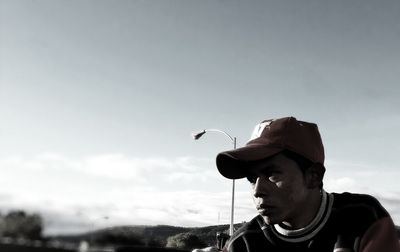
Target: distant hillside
[150, 234]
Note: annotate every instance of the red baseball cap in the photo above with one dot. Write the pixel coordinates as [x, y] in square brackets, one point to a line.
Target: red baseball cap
[269, 138]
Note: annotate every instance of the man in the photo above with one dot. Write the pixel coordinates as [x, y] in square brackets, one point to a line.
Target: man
[284, 162]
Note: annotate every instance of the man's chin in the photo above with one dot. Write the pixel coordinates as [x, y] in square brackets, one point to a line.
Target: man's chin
[269, 220]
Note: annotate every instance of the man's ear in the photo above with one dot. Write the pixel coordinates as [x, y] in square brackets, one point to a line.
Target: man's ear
[314, 175]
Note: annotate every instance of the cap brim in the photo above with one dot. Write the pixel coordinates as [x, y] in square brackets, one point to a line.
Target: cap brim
[235, 164]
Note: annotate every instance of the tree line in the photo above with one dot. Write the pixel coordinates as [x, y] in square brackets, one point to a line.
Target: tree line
[19, 224]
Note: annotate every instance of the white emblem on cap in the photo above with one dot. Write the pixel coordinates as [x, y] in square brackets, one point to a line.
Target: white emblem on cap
[259, 129]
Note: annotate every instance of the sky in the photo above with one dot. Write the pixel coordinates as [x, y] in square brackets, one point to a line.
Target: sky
[98, 100]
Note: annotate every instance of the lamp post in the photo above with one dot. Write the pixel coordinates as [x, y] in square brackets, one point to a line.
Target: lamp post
[196, 136]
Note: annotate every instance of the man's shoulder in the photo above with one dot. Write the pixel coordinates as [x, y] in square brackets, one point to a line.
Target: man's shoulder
[362, 216]
[358, 205]
[251, 227]
[252, 230]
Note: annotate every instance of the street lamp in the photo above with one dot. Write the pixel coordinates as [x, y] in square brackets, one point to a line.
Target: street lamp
[199, 134]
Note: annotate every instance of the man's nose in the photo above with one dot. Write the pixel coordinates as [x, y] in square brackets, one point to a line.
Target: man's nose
[261, 188]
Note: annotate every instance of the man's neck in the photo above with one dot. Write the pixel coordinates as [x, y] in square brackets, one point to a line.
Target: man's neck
[308, 213]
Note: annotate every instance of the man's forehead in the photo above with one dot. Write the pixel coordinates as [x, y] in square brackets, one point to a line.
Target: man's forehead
[273, 163]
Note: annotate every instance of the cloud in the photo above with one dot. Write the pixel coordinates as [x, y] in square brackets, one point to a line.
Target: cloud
[114, 166]
[179, 208]
[5, 197]
[340, 184]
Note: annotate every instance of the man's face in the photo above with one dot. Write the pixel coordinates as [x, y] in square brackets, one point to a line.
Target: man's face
[280, 190]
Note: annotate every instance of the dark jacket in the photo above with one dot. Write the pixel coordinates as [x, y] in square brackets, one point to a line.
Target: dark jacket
[345, 222]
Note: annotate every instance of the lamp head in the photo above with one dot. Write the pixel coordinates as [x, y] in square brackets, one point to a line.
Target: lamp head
[197, 135]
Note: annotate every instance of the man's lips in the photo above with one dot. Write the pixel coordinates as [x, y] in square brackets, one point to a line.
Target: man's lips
[264, 209]
[265, 206]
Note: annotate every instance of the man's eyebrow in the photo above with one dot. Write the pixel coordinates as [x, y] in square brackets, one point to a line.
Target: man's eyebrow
[269, 168]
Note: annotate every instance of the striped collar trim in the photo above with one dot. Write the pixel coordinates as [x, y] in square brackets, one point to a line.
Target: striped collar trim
[311, 229]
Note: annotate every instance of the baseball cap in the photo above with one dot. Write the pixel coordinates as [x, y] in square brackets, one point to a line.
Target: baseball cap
[269, 138]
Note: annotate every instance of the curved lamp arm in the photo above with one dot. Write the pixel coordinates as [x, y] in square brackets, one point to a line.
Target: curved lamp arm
[199, 134]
